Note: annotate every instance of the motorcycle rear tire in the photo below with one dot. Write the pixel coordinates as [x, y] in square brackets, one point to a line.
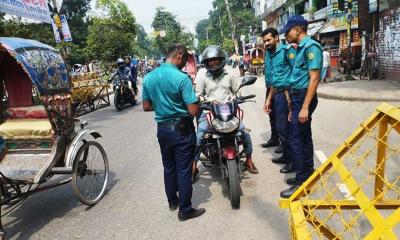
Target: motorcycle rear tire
[234, 184]
[117, 102]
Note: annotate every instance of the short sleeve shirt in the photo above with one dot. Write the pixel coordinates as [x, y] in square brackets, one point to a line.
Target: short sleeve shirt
[279, 65]
[308, 57]
[170, 91]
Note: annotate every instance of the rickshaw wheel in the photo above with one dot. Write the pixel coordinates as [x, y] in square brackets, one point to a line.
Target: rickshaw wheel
[90, 173]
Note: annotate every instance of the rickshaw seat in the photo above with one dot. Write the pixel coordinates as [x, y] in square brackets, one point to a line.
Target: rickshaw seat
[14, 129]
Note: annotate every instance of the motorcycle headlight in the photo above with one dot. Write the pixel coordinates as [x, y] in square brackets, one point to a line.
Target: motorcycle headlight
[226, 127]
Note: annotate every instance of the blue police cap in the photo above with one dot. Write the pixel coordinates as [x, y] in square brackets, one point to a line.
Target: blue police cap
[295, 20]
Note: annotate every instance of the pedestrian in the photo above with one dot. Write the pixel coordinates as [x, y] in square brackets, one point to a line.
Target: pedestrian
[304, 81]
[279, 58]
[169, 93]
[326, 63]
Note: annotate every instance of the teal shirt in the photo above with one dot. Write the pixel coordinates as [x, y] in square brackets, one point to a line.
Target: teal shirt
[170, 91]
[308, 57]
[279, 65]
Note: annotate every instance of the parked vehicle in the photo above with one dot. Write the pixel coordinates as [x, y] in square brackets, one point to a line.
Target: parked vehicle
[37, 130]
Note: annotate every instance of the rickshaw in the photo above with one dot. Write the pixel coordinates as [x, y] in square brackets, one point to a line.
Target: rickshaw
[256, 61]
[39, 138]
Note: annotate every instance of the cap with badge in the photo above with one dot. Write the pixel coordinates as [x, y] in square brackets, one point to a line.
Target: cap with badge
[295, 20]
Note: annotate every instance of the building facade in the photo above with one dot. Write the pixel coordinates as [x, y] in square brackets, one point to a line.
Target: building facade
[375, 27]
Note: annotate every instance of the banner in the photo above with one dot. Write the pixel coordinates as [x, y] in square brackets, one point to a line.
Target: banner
[33, 9]
[56, 31]
[65, 29]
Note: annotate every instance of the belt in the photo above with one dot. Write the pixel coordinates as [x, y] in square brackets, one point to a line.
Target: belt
[168, 123]
[282, 89]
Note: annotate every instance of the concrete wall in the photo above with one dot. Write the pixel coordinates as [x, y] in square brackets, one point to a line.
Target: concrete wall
[389, 44]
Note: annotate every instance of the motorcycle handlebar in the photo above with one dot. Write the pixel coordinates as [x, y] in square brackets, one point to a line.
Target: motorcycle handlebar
[247, 97]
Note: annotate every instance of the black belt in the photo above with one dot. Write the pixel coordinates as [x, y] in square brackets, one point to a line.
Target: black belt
[168, 123]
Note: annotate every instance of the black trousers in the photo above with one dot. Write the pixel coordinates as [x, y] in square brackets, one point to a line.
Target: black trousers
[272, 118]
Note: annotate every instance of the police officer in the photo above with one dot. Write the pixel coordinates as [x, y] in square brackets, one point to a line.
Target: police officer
[169, 93]
[303, 82]
[279, 58]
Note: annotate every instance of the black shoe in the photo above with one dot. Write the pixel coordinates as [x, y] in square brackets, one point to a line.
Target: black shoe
[279, 149]
[288, 168]
[173, 206]
[289, 192]
[194, 213]
[279, 160]
[273, 142]
[291, 181]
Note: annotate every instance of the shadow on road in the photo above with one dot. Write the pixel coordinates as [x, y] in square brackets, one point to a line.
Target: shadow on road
[40, 209]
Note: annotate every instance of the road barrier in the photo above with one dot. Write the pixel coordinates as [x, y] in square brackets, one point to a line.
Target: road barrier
[90, 93]
[355, 194]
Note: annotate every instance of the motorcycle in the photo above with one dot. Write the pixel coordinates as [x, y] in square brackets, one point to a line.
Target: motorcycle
[122, 94]
[221, 144]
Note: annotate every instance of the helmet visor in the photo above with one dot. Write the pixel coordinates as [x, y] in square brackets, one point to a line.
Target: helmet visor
[214, 64]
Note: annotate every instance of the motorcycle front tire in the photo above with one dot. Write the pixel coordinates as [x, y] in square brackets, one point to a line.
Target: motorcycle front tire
[118, 102]
[234, 183]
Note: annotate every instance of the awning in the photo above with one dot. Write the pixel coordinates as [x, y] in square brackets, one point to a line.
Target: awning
[332, 28]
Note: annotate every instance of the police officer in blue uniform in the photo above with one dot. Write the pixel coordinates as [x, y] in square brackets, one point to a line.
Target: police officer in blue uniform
[169, 93]
[279, 59]
[304, 81]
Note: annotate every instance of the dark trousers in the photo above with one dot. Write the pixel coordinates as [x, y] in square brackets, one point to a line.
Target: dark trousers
[177, 153]
[272, 121]
[282, 124]
[300, 137]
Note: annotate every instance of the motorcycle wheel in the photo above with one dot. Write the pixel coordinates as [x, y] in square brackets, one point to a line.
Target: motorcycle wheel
[234, 185]
[117, 102]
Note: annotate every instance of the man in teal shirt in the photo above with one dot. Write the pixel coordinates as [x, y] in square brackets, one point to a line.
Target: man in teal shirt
[279, 59]
[169, 93]
[304, 81]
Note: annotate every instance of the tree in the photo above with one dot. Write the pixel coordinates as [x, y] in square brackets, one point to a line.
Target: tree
[220, 28]
[114, 36]
[166, 21]
[75, 11]
[15, 27]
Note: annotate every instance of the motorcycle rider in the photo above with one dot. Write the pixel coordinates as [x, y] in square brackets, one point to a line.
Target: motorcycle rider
[134, 73]
[123, 72]
[218, 85]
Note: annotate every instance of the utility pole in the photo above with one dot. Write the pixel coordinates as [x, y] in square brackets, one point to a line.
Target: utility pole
[349, 20]
[233, 33]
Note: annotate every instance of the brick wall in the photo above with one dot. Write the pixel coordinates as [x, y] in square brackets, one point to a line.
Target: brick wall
[389, 44]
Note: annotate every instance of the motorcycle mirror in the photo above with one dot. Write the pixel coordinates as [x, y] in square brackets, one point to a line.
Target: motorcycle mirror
[247, 80]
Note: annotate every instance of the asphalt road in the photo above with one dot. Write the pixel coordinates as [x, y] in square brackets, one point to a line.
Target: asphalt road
[135, 206]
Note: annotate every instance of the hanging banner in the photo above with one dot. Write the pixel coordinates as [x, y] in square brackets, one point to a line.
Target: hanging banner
[65, 29]
[55, 31]
[33, 9]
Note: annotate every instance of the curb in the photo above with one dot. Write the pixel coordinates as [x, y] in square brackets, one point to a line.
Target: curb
[352, 99]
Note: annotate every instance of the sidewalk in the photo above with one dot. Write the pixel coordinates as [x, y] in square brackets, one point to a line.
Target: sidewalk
[361, 90]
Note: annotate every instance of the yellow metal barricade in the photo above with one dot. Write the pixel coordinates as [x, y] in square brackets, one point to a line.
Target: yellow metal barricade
[90, 93]
[355, 194]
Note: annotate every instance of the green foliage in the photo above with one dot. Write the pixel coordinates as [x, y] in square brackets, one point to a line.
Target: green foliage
[166, 21]
[219, 28]
[112, 37]
[41, 32]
